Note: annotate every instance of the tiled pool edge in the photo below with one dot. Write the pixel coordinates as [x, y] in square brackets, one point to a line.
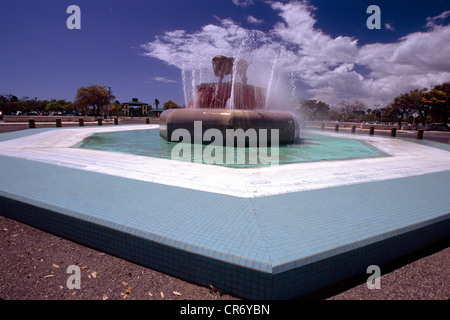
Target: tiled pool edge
[328, 271]
[237, 280]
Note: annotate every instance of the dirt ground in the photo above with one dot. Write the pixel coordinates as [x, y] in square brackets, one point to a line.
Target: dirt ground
[33, 266]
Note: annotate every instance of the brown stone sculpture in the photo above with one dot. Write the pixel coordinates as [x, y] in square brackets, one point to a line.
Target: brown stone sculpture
[223, 66]
[227, 108]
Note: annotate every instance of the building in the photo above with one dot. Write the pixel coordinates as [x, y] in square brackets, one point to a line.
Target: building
[135, 108]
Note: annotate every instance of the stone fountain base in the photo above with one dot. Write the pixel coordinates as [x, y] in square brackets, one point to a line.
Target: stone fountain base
[225, 106]
[217, 96]
[223, 119]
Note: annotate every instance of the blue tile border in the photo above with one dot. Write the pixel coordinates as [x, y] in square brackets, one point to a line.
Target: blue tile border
[237, 280]
[327, 271]
[180, 263]
[126, 217]
[347, 223]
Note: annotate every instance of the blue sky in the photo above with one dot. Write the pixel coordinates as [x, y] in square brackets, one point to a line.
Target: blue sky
[322, 49]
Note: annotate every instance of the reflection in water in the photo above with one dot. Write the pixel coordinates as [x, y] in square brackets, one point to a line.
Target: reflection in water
[312, 148]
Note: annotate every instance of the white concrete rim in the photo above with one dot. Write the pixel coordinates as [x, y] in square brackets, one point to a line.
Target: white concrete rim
[56, 147]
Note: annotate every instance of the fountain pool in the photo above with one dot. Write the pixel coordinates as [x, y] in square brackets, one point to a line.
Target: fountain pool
[311, 147]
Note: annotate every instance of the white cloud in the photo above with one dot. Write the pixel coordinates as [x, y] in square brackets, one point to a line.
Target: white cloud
[435, 21]
[243, 3]
[252, 19]
[417, 60]
[416, 53]
[389, 26]
[297, 55]
[164, 79]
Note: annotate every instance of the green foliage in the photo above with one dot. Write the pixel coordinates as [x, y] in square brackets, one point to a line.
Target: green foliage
[314, 110]
[352, 111]
[90, 100]
[171, 105]
[438, 100]
[432, 105]
[59, 106]
[96, 97]
[11, 104]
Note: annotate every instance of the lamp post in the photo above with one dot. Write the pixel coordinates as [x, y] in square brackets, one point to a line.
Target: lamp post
[375, 113]
[425, 114]
[109, 102]
[415, 115]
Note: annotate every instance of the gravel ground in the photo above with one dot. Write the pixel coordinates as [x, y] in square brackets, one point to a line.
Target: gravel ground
[33, 266]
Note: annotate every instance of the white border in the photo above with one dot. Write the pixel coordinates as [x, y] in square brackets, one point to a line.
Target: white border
[405, 159]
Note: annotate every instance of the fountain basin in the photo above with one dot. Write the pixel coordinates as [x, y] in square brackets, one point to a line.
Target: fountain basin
[225, 119]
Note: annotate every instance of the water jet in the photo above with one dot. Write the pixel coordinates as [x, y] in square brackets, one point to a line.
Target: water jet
[230, 106]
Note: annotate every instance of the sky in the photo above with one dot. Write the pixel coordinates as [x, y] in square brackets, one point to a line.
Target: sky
[317, 49]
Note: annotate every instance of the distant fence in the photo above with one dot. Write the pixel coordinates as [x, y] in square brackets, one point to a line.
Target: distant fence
[46, 118]
[331, 125]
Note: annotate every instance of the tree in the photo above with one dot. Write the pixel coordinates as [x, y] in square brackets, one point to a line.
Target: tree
[54, 106]
[156, 103]
[352, 110]
[9, 103]
[59, 106]
[334, 115]
[438, 101]
[12, 98]
[95, 96]
[434, 103]
[418, 104]
[314, 110]
[400, 107]
[116, 107]
[171, 105]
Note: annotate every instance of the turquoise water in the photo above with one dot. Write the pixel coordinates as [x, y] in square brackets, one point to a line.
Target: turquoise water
[312, 148]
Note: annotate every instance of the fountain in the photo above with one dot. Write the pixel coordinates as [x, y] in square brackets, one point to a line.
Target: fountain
[336, 204]
[230, 106]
